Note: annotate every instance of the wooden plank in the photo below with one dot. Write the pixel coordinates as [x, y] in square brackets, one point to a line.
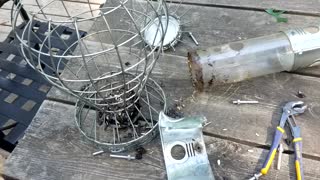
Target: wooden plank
[5, 17]
[90, 1]
[33, 2]
[272, 91]
[5, 21]
[53, 149]
[227, 25]
[215, 26]
[56, 10]
[8, 5]
[238, 161]
[4, 31]
[309, 7]
[179, 85]
[295, 6]
[244, 122]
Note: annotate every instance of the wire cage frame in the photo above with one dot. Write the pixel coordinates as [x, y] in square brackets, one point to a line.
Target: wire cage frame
[119, 134]
[177, 27]
[111, 77]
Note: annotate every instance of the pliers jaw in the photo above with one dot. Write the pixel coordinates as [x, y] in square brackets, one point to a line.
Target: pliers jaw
[294, 107]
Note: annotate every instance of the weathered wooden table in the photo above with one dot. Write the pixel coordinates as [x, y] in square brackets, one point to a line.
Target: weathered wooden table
[239, 136]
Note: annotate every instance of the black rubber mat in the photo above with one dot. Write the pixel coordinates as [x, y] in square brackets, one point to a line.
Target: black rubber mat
[22, 89]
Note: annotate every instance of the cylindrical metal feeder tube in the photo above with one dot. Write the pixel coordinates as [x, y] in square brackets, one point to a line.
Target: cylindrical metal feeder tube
[237, 61]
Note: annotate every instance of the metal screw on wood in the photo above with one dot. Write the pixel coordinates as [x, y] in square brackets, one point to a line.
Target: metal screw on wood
[193, 38]
[97, 153]
[128, 157]
[256, 176]
[280, 149]
[245, 102]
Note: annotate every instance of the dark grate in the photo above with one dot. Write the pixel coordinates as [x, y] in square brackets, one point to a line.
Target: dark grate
[22, 89]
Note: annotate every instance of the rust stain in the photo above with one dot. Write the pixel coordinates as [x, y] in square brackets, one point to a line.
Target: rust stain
[195, 70]
[197, 146]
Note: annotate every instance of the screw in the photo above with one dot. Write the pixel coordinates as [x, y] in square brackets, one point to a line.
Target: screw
[128, 157]
[207, 124]
[97, 153]
[280, 149]
[245, 102]
[193, 38]
[256, 176]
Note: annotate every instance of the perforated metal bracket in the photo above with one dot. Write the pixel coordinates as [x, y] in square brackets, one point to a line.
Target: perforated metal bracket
[184, 148]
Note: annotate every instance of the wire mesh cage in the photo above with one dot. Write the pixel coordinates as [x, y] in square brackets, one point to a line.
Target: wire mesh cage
[178, 26]
[107, 68]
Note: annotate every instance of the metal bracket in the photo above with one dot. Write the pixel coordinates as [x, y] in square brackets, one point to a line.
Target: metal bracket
[184, 134]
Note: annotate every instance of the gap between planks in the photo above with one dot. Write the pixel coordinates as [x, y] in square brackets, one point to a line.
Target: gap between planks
[218, 136]
[256, 145]
[244, 8]
[237, 162]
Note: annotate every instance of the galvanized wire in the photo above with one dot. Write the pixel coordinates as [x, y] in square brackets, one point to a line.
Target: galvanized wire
[177, 26]
[107, 69]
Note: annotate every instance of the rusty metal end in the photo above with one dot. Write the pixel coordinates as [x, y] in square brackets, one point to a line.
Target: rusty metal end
[195, 70]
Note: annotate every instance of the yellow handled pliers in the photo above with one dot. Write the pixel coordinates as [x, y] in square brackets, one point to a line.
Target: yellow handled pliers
[289, 110]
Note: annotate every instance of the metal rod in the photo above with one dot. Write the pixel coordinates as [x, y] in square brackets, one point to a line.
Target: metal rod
[193, 38]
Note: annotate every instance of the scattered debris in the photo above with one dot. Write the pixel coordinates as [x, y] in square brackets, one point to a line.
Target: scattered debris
[277, 14]
[107, 117]
[211, 146]
[250, 150]
[300, 94]
[127, 63]
[174, 112]
[138, 156]
[139, 152]
[179, 103]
